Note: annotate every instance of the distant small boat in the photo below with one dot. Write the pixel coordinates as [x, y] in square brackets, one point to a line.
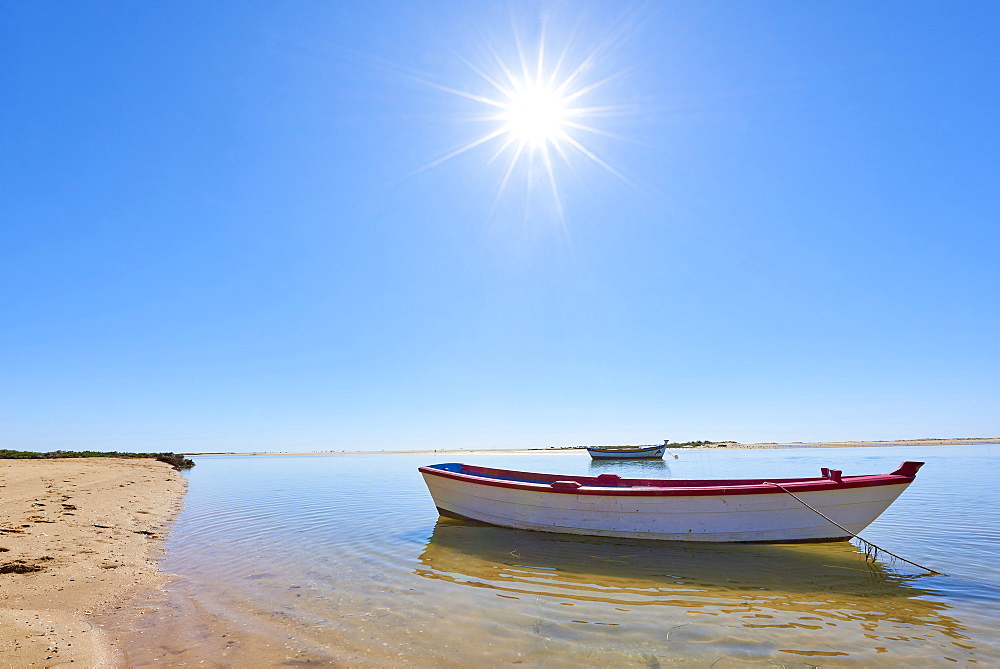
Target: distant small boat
[832, 507]
[627, 452]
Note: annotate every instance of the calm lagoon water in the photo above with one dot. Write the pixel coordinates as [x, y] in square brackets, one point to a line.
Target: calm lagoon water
[342, 560]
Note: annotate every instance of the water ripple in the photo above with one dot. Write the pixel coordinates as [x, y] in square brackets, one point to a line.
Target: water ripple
[346, 555]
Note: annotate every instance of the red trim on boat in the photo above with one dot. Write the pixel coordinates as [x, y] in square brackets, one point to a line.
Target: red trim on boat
[908, 469]
[602, 485]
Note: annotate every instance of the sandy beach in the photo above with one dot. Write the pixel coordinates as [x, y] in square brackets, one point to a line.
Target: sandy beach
[78, 538]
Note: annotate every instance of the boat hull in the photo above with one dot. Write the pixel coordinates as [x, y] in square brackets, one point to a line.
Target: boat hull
[675, 516]
[651, 453]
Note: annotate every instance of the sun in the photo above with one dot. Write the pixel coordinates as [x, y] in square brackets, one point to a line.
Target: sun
[541, 110]
[536, 115]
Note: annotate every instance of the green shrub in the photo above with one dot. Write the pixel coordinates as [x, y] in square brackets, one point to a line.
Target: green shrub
[176, 461]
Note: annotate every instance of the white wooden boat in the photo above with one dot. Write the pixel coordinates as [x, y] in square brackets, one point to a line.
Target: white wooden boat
[832, 507]
[627, 452]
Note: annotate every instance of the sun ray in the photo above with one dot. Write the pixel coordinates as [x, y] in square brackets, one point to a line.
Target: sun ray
[547, 159]
[471, 145]
[503, 148]
[504, 68]
[585, 151]
[510, 169]
[557, 68]
[596, 131]
[486, 77]
[461, 93]
[585, 90]
[605, 111]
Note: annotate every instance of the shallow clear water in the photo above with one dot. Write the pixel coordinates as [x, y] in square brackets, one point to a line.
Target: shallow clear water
[342, 559]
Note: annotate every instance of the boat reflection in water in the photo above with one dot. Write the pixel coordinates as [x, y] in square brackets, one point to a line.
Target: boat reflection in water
[785, 603]
[636, 469]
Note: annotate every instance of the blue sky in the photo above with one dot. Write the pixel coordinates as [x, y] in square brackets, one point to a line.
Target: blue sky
[224, 226]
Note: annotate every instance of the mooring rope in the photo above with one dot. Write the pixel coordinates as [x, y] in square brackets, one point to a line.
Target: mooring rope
[871, 550]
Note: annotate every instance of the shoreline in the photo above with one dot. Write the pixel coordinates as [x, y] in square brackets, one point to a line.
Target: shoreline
[961, 441]
[79, 538]
[80, 541]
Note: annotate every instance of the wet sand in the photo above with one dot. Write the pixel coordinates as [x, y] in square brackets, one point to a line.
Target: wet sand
[78, 538]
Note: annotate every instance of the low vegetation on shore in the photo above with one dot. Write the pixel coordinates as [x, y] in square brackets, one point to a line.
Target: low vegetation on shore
[175, 460]
[682, 444]
[695, 444]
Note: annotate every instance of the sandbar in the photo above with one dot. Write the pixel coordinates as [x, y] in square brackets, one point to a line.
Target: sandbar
[79, 538]
[958, 441]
